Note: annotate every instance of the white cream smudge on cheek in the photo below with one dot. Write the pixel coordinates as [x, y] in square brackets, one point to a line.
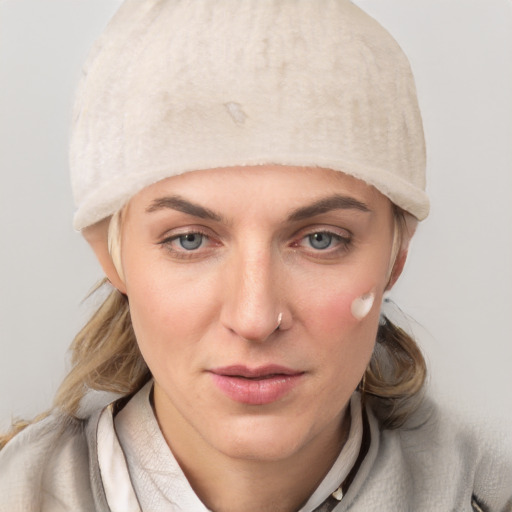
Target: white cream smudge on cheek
[361, 306]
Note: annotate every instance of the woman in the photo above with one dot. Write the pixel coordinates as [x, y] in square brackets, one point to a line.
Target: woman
[249, 175]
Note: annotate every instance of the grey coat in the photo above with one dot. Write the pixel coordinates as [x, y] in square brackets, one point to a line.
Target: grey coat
[430, 465]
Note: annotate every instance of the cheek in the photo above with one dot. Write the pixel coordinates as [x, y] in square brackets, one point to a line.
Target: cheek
[166, 321]
[160, 291]
[342, 340]
[343, 343]
[334, 310]
[161, 318]
[344, 310]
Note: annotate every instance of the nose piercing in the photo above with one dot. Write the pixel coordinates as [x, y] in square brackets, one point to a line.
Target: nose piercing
[279, 320]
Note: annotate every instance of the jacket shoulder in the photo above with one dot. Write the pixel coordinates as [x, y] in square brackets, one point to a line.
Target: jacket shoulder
[471, 450]
[46, 467]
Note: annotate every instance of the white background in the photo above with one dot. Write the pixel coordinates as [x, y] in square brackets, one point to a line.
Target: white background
[458, 282]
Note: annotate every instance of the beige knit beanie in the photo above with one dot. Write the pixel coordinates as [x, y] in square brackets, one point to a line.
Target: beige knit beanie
[179, 85]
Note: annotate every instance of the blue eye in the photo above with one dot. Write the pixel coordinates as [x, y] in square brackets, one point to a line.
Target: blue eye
[191, 241]
[321, 240]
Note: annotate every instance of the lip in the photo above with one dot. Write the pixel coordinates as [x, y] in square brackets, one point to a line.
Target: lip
[255, 386]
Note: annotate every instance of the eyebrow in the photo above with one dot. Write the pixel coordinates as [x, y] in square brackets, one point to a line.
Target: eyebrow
[327, 204]
[184, 206]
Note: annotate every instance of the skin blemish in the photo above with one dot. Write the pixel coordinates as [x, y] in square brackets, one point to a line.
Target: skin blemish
[236, 112]
[361, 306]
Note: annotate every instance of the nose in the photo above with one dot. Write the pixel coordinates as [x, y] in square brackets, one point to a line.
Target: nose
[254, 305]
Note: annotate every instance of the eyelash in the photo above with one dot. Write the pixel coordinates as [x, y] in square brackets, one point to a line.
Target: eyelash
[338, 243]
[341, 243]
[184, 253]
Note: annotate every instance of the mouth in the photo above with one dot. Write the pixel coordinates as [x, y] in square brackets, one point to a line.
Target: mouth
[261, 372]
[256, 386]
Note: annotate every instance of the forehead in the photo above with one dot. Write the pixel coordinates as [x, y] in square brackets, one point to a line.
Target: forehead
[262, 185]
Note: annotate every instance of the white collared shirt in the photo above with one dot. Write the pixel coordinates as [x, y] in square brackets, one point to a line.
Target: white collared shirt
[139, 471]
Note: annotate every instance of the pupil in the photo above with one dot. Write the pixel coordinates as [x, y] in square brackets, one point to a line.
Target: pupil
[320, 240]
[191, 241]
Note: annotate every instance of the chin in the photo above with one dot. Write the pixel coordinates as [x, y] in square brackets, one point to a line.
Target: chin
[269, 449]
[261, 439]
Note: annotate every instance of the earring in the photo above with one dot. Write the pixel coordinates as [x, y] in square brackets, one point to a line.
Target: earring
[362, 387]
[383, 319]
[279, 320]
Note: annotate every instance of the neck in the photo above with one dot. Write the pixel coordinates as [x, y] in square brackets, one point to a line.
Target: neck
[228, 484]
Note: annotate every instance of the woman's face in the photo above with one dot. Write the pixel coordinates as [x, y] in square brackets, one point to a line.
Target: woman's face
[213, 260]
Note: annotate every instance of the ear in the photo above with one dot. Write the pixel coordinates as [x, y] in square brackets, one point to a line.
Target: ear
[97, 237]
[407, 231]
[398, 267]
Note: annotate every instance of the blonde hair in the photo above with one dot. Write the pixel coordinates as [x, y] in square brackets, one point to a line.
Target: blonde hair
[394, 379]
[114, 241]
[105, 355]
